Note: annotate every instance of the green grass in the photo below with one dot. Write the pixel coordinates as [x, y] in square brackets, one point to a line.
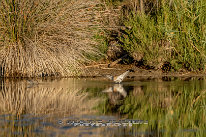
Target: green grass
[102, 47]
[172, 32]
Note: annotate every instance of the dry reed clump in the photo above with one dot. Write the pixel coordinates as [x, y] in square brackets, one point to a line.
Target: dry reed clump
[47, 37]
[19, 98]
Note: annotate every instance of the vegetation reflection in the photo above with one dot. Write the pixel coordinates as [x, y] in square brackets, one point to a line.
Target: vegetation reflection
[171, 108]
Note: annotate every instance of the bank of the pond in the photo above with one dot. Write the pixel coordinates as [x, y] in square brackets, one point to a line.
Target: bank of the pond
[100, 70]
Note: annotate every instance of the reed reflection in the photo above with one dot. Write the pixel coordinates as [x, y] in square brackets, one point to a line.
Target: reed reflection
[22, 97]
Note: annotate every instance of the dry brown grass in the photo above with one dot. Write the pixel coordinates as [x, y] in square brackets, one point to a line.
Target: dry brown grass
[47, 37]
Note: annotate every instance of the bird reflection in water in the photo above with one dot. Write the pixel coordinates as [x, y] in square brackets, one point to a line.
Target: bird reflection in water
[115, 93]
[116, 88]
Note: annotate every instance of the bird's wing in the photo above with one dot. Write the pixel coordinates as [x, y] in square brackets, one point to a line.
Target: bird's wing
[121, 77]
[120, 89]
[108, 90]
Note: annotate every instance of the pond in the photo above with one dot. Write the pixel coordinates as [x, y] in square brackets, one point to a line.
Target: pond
[167, 106]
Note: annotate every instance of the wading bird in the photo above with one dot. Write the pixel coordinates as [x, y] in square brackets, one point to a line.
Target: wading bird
[119, 79]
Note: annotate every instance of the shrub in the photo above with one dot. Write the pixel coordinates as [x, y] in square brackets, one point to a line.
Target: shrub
[172, 32]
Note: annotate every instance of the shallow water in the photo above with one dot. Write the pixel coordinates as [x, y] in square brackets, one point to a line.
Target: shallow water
[166, 106]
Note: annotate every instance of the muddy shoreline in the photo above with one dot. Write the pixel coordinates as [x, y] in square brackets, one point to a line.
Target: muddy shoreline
[139, 74]
[99, 72]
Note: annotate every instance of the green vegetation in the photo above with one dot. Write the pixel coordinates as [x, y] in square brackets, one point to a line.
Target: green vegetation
[57, 38]
[168, 31]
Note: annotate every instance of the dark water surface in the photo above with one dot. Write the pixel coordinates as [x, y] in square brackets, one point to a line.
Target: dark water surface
[166, 106]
